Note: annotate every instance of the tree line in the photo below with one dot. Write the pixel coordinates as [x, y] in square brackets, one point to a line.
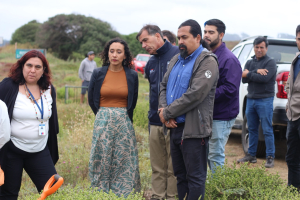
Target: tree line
[68, 36]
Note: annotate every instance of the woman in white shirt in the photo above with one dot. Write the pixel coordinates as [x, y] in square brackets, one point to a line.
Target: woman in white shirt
[4, 125]
[30, 98]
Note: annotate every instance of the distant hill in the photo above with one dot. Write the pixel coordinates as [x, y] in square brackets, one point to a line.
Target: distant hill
[285, 35]
[234, 37]
[5, 42]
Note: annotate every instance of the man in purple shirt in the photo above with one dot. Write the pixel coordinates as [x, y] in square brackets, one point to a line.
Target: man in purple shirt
[226, 105]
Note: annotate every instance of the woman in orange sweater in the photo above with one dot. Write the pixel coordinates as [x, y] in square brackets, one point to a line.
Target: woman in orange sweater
[112, 95]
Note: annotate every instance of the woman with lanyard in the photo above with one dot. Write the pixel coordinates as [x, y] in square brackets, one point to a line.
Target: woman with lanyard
[31, 101]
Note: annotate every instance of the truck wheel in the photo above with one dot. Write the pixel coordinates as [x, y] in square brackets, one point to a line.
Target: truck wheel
[261, 147]
[245, 135]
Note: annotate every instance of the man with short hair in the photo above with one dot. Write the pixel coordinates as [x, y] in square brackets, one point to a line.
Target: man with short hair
[293, 115]
[86, 69]
[260, 74]
[163, 179]
[186, 107]
[168, 35]
[226, 105]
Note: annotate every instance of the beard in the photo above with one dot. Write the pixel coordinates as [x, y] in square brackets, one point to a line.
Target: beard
[183, 52]
[215, 42]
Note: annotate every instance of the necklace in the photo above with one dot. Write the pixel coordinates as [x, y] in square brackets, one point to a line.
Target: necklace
[34, 106]
[29, 96]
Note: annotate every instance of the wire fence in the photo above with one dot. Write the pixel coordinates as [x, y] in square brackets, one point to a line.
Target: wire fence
[73, 93]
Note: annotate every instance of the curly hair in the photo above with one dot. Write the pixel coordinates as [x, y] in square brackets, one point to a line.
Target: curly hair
[16, 71]
[128, 62]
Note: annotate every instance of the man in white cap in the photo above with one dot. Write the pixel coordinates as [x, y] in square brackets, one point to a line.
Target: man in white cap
[86, 69]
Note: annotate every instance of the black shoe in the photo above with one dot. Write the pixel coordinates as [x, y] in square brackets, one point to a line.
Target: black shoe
[270, 162]
[247, 158]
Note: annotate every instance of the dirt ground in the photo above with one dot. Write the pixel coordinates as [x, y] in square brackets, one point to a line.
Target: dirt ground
[234, 151]
[4, 69]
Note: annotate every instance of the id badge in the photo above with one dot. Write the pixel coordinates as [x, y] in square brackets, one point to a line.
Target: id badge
[42, 129]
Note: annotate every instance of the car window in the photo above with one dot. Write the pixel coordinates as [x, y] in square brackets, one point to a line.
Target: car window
[236, 51]
[245, 53]
[282, 54]
[143, 58]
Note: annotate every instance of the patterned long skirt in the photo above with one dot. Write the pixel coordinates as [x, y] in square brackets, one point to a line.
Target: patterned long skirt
[114, 161]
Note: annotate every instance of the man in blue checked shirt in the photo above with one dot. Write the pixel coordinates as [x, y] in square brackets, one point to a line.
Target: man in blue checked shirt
[186, 100]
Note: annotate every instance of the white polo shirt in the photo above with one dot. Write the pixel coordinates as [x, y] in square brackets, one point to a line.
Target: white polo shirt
[4, 125]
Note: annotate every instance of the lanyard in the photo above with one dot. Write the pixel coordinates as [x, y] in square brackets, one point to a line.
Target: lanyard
[41, 110]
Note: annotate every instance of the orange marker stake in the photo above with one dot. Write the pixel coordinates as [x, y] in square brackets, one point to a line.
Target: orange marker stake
[50, 188]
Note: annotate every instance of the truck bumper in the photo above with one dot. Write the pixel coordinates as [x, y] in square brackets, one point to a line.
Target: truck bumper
[279, 116]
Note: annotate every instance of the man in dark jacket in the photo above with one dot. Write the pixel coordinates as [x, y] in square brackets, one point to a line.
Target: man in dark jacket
[293, 114]
[163, 179]
[226, 106]
[186, 103]
[260, 74]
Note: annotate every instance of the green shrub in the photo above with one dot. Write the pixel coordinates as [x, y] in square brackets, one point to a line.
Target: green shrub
[140, 113]
[71, 79]
[246, 182]
[76, 56]
[60, 92]
[98, 60]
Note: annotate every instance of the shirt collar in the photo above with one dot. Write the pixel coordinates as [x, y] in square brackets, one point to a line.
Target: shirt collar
[195, 53]
[220, 48]
[254, 57]
[164, 48]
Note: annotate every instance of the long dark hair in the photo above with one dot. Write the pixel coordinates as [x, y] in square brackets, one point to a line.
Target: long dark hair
[16, 71]
[128, 60]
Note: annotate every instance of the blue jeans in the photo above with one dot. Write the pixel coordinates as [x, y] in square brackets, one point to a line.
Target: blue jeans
[216, 145]
[260, 111]
[293, 152]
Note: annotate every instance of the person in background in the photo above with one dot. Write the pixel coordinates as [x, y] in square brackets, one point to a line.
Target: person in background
[171, 37]
[86, 69]
[4, 125]
[112, 95]
[163, 180]
[4, 133]
[260, 74]
[186, 101]
[293, 115]
[226, 105]
[31, 101]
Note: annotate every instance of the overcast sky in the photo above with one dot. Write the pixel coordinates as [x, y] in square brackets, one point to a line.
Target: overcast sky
[254, 17]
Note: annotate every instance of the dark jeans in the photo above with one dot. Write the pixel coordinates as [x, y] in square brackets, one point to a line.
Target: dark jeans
[85, 84]
[189, 164]
[293, 152]
[39, 166]
[260, 110]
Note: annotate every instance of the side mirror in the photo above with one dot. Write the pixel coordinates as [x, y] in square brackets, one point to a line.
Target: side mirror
[134, 59]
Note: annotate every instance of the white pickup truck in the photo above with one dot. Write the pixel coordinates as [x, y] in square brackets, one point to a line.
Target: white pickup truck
[282, 51]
